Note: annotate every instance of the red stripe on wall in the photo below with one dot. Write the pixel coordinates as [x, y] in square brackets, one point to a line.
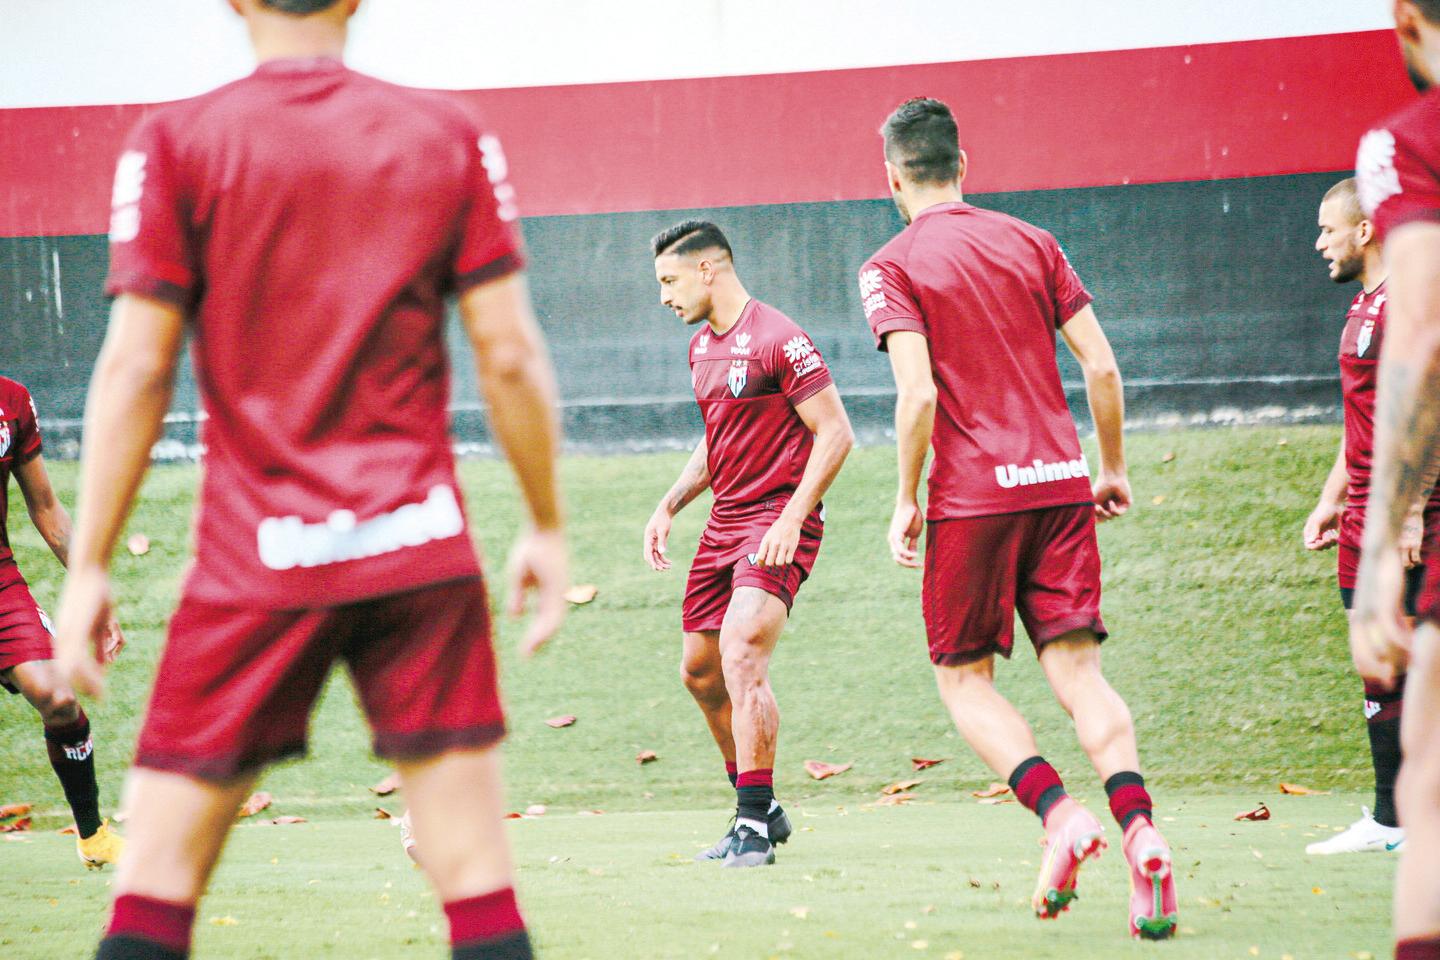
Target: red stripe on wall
[1210, 111]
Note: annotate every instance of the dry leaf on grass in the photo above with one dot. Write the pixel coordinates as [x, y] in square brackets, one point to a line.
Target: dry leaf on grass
[1261, 812]
[581, 593]
[646, 756]
[15, 826]
[992, 801]
[996, 789]
[900, 787]
[895, 800]
[387, 786]
[512, 815]
[1158, 499]
[256, 803]
[70, 831]
[382, 814]
[224, 922]
[282, 821]
[14, 810]
[1295, 790]
[1168, 458]
[591, 813]
[561, 722]
[138, 545]
[820, 770]
[919, 763]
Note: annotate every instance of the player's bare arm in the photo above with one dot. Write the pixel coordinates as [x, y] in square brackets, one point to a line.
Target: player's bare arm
[518, 382]
[124, 414]
[1322, 527]
[694, 480]
[1407, 435]
[914, 422]
[824, 416]
[1105, 393]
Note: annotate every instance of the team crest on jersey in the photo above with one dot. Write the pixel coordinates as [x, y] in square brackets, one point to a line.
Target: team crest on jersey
[1375, 172]
[4, 438]
[739, 373]
[1362, 342]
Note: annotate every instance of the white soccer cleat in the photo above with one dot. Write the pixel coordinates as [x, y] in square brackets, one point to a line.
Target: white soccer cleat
[1362, 836]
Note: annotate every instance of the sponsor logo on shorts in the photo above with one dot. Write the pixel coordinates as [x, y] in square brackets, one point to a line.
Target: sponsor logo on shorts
[871, 295]
[79, 751]
[1371, 709]
[1375, 170]
[1014, 475]
[739, 373]
[288, 542]
[752, 557]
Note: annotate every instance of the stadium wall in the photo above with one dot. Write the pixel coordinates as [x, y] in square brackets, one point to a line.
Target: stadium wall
[1178, 158]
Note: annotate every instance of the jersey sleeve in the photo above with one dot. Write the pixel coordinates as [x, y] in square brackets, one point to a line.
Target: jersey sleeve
[151, 241]
[799, 366]
[490, 245]
[27, 430]
[1397, 186]
[888, 301]
[1068, 295]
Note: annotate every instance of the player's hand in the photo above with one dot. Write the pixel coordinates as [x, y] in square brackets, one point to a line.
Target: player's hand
[1111, 494]
[1322, 527]
[114, 641]
[906, 525]
[777, 547]
[657, 539]
[1379, 629]
[1412, 534]
[81, 630]
[539, 562]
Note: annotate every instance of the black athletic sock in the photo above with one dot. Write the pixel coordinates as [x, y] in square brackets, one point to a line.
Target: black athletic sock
[732, 771]
[754, 792]
[514, 947]
[72, 754]
[1382, 722]
[135, 948]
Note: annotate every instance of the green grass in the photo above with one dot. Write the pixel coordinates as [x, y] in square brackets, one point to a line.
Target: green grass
[1227, 640]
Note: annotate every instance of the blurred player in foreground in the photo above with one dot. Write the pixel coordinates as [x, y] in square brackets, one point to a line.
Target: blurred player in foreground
[306, 224]
[1397, 168]
[967, 303]
[26, 655]
[1347, 241]
[776, 435]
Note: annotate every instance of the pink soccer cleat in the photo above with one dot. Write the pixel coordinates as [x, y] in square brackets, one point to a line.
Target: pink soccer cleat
[1072, 837]
[1154, 909]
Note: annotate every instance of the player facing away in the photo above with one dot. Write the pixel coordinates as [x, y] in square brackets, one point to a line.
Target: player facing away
[1347, 241]
[776, 435]
[305, 224]
[27, 664]
[967, 302]
[1396, 168]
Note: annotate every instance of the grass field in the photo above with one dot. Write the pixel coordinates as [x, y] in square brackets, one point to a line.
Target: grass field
[1227, 642]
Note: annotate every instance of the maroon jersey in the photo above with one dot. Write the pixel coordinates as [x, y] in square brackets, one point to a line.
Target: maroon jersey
[988, 292]
[311, 220]
[748, 381]
[1398, 166]
[19, 444]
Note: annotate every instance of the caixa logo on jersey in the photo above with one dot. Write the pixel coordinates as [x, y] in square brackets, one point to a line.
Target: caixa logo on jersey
[739, 373]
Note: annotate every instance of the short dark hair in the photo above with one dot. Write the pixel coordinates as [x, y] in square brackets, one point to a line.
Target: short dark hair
[921, 138]
[690, 236]
[299, 8]
[1429, 9]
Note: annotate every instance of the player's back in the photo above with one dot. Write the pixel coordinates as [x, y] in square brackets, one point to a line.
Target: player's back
[989, 292]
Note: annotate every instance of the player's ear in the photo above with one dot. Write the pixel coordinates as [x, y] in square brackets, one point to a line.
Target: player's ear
[962, 168]
[351, 6]
[235, 5]
[1407, 21]
[1366, 232]
[892, 174]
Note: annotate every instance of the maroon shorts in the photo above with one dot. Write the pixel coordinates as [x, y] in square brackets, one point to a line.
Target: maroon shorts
[725, 561]
[235, 685]
[980, 570]
[24, 628]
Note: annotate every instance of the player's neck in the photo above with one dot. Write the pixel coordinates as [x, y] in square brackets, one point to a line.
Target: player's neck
[1374, 272]
[918, 201]
[292, 39]
[727, 305]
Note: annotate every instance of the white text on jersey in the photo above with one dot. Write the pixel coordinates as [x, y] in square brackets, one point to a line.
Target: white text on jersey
[1014, 475]
[287, 542]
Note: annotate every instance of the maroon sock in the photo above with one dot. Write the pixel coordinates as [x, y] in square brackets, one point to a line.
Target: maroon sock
[487, 919]
[145, 922]
[732, 771]
[1128, 798]
[1420, 948]
[1038, 786]
[72, 756]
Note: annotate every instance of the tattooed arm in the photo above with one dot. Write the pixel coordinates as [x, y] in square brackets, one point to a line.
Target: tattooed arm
[1407, 446]
[694, 480]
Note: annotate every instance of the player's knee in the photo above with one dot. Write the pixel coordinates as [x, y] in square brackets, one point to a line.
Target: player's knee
[704, 681]
[57, 707]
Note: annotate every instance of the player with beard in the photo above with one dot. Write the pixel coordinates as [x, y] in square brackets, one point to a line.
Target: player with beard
[1347, 241]
[968, 302]
[776, 435]
[1398, 170]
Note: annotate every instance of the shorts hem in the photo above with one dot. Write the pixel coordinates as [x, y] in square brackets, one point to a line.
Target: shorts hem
[960, 658]
[217, 769]
[419, 744]
[1059, 628]
[699, 626]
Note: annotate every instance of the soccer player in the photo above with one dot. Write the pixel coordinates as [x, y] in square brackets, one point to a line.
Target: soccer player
[1397, 169]
[967, 303]
[1347, 241]
[776, 435]
[26, 656]
[305, 225]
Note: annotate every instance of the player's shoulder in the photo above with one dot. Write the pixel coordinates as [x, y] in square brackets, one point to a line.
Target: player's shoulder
[1415, 122]
[12, 391]
[773, 324]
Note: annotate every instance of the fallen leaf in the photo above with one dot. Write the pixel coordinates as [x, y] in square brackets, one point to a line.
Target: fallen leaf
[70, 831]
[591, 813]
[387, 786]
[535, 810]
[992, 801]
[1282, 442]
[1318, 891]
[514, 816]
[561, 722]
[282, 821]
[974, 883]
[1169, 457]
[900, 787]
[895, 800]
[919, 944]
[581, 593]
[14, 810]
[382, 814]
[226, 921]
[1261, 812]
[16, 826]
[1295, 790]
[138, 545]
[800, 913]
[646, 756]
[921, 764]
[256, 803]
[1158, 499]
[996, 789]
[820, 770]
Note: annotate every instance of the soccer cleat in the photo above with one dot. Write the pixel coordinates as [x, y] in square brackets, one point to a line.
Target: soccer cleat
[407, 837]
[1365, 835]
[1075, 839]
[1154, 908]
[749, 849]
[101, 847]
[780, 830]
